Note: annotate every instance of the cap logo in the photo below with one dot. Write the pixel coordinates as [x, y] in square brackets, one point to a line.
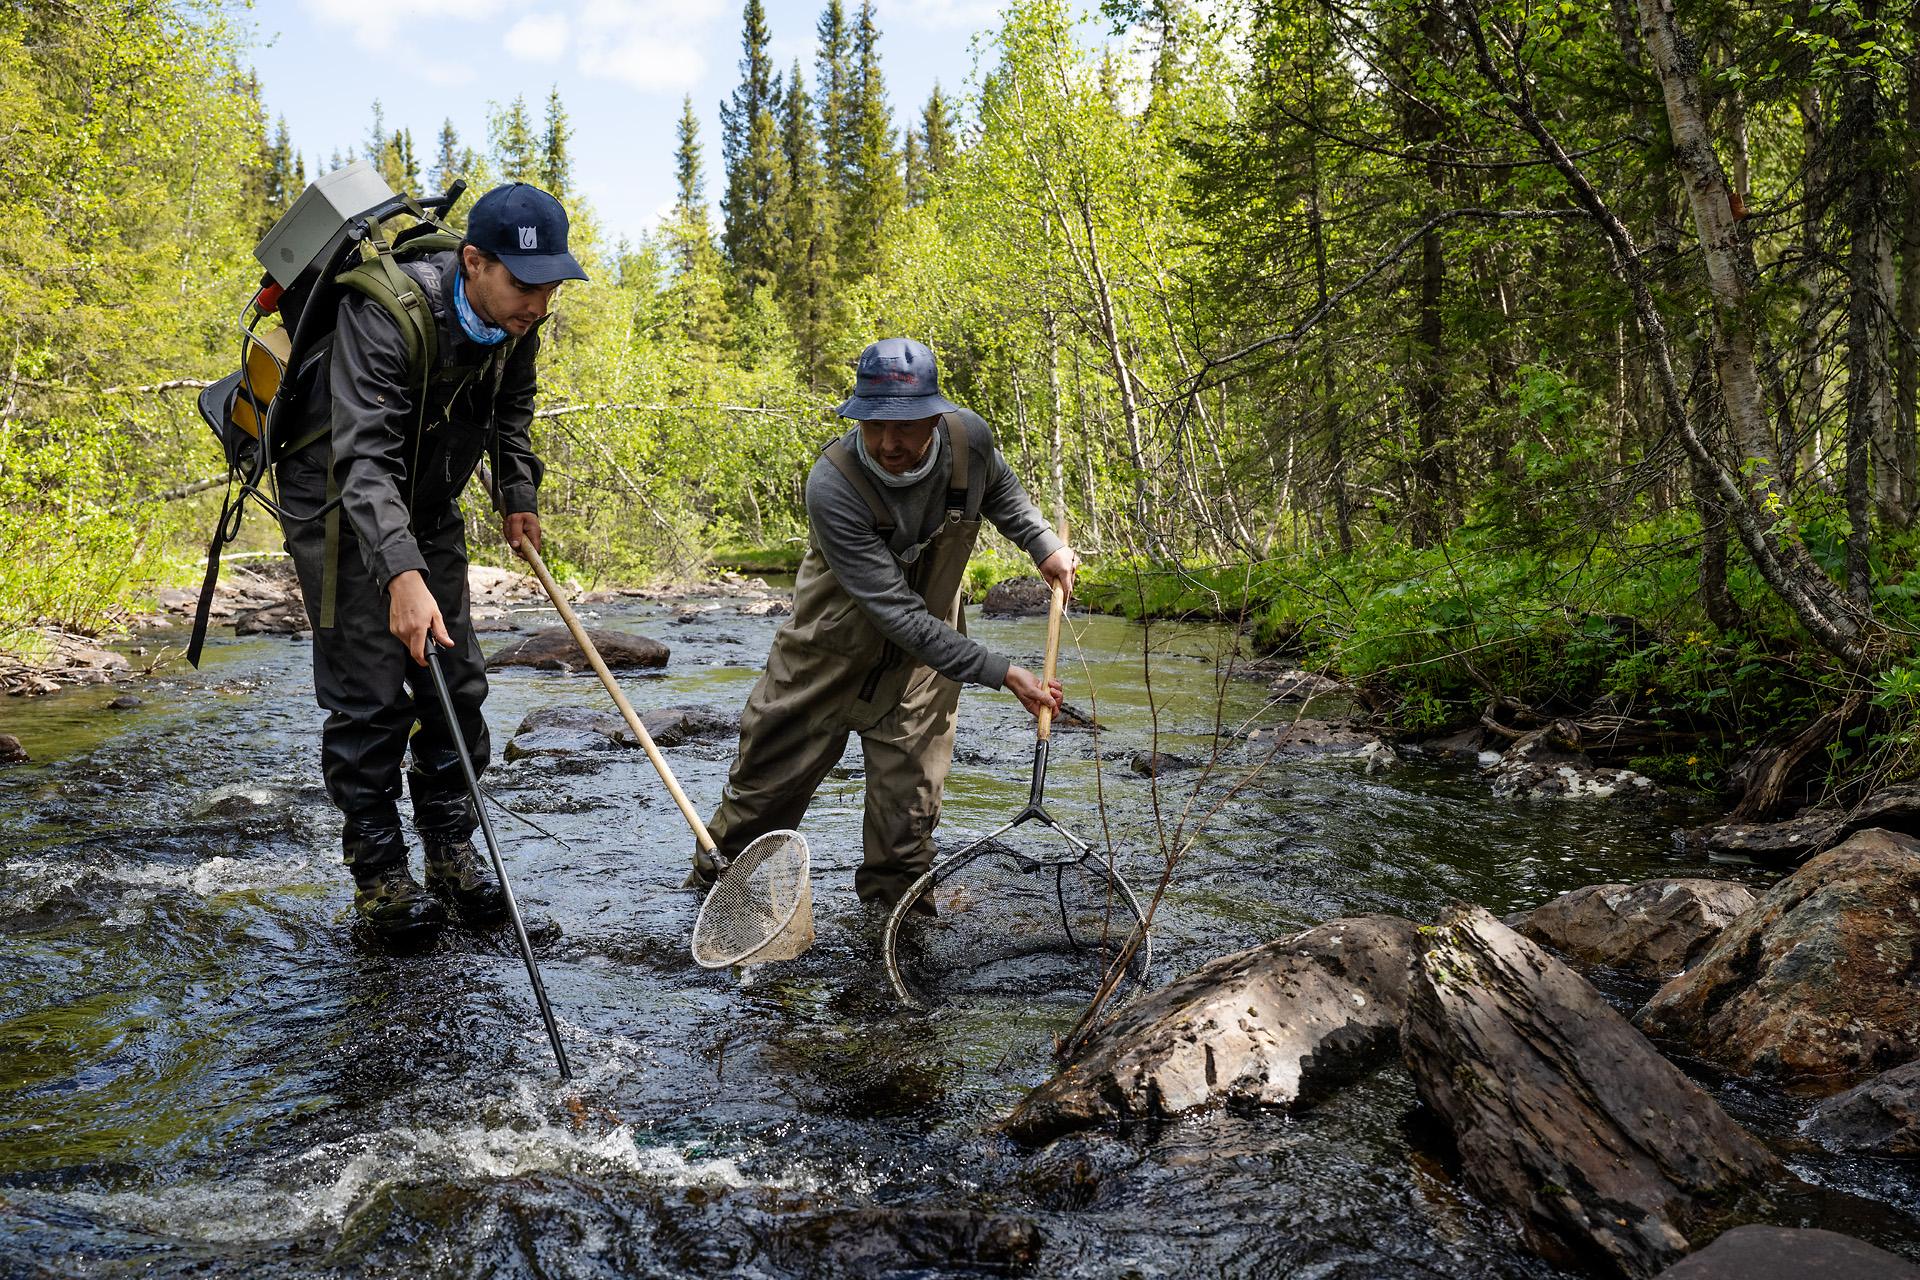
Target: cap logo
[528, 238]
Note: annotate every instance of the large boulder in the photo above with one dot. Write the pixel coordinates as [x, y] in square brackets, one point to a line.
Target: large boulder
[672, 726]
[1547, 764]
[1816, 985]
[1277, 1025]
[1654, 929]
[1567, 1122]
[1814, 831]
[553, 649]
[1017, 598]
[1878, 1118]
[1790, 1253]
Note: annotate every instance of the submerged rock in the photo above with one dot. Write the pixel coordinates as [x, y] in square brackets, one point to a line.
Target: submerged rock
[237, 800]
[565, 731]
[1547, 765]
[671, 726]
[1566, 1120]
[11, 751]
[126, 702]
[1655, 928]
[882, 1239]
[1878, 1118]
[553, 648]
[1151, 764]
[1277, 1025]
[1814, 831]
[1318, 737]
[1017, 598]
[283, 618]
[1474, 745]
[1301, 686]
[1815, 985]
[1790, 1253]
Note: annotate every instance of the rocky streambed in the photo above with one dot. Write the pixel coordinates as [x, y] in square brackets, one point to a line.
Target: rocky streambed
[1339, 1072]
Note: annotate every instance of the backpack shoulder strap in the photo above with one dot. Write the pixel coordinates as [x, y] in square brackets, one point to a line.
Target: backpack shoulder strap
[401, 297]
[848, 466]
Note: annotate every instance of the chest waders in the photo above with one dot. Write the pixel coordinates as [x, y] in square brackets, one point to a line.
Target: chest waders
[831, 672]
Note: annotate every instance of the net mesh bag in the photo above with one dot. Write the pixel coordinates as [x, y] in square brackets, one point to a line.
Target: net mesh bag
[761, 908]
[1007, 925]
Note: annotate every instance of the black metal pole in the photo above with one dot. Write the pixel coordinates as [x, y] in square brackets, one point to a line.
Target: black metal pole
[493, 852]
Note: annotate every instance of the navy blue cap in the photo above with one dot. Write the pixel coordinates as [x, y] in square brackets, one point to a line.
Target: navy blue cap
[526, 229]
[896, 381]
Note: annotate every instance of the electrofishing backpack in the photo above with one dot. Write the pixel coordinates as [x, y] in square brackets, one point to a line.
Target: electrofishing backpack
[336, 238]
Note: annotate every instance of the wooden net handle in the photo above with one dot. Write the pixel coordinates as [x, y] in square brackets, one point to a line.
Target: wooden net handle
[532, 557]
[1055, 606]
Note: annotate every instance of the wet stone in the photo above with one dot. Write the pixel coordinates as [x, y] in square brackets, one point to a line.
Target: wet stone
[284, 618]
[766, 609]
[1074, 1172]
[552, 648]
[1878, 1118]
[1814, 831]
[11, 752]
[1151, 764]
[1814, 986]
[672, 726]
[1017, 598]
[1277, 1025]
[1542, 766]
[564, 731]
[1654, 929]
[1790, 1253]
[1300, 686]
[126, 702]
[238, 800]
[1566, 1121]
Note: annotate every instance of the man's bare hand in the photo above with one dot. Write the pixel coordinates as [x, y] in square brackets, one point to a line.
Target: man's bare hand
[522, 524]
[1059, 568]
[1032, 692]
[412, 614]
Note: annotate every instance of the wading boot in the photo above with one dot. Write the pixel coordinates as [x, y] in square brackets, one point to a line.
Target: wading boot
[390, 905]
[457, 873]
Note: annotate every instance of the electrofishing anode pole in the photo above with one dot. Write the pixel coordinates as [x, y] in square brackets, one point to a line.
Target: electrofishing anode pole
[493, 852]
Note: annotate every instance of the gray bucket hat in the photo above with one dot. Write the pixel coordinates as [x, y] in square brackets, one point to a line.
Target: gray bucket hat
[896, 381]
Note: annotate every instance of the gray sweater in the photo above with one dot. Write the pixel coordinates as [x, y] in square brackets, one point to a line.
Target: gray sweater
[866, 565]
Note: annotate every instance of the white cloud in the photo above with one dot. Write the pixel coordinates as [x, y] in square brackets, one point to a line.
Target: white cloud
[445, 75]
[968, 15]
[394, 17]
[650, 45]
[538, 37]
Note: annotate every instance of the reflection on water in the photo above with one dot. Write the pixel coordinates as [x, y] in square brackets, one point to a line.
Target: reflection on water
[201, 1069]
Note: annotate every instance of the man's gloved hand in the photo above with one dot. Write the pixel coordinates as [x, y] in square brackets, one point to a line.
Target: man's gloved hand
[412, 613]
[1032, 691]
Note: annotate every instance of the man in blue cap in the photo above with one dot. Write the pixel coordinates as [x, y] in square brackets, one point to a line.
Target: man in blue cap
[877, 642]
[402, 444]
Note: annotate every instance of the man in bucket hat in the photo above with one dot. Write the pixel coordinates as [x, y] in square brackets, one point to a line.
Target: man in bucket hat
[877, 643]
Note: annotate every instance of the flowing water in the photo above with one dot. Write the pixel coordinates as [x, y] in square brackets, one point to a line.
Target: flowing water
[204, 1074]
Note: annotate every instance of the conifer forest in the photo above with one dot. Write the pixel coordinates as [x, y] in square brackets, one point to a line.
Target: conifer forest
[1513, 360]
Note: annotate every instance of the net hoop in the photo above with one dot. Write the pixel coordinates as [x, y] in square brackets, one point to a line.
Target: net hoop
[760, 910]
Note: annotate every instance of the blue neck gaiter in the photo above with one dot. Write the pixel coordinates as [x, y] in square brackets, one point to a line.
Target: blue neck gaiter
[476, 328]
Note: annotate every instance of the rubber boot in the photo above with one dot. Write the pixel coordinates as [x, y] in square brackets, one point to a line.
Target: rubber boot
[457, 873]
[387, 901]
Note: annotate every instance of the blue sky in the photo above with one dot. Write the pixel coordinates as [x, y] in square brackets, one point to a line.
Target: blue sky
[621, 66]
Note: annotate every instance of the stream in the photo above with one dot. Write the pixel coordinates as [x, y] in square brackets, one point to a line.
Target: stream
[204, 1073]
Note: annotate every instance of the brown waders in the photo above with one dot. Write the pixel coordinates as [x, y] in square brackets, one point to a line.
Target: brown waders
[831, 673]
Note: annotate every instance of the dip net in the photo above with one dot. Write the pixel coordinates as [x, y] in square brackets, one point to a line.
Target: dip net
[761, 908]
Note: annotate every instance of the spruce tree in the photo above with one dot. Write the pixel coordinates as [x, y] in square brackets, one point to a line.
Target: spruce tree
[750, 149]
[516, 146]
[397, 163]
[556, 164]
[286, 173]
[697, 292]
[875, 192]
[930, 148]
[835, 78]
[804, 274]
[446, 165]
